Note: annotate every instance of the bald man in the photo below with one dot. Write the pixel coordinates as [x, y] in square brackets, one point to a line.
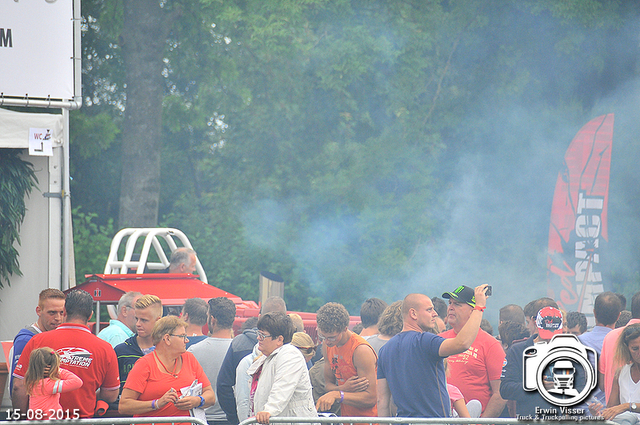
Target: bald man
[410, 365]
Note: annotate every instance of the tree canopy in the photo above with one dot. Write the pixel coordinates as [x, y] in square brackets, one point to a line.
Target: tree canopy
[356, 148]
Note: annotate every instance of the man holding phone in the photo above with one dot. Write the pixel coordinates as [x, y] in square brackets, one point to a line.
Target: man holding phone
[411, 367]
[476, 371]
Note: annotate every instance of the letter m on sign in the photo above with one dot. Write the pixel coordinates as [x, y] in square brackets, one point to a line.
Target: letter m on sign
[5, 38]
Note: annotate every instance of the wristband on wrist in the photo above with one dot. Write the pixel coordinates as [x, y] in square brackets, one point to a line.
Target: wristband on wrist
[341, 397]
[479, 308]
[154, 404]
[201, 401]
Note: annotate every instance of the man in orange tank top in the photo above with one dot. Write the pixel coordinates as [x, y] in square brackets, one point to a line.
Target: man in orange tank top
[349, 367]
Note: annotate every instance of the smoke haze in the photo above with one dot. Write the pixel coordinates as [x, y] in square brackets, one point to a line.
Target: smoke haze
[496, 179]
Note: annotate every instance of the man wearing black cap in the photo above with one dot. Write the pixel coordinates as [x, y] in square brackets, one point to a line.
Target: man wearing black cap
[476, 372]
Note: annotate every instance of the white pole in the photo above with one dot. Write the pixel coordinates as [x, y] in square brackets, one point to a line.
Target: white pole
[56, 200]
[66, 204]
[68, 268]
[77, 56]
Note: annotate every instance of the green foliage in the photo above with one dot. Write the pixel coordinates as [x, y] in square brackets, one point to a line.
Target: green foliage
[95, 161]
[93, 134]
[319, 179]
[91, 243]
[17, 179]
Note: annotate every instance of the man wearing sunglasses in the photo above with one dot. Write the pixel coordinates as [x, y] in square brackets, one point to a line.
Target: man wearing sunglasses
[350, 365]
[476, 371]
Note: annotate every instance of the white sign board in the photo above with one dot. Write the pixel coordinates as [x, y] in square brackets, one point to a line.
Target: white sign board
[36, 48]
[40, 142]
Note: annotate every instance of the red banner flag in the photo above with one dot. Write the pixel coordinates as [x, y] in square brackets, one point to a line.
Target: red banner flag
[579, 219]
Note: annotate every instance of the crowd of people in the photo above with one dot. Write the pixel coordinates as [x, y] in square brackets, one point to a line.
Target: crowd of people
[417, 357]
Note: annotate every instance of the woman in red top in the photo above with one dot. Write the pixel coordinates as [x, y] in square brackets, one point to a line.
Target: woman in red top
[153, 385]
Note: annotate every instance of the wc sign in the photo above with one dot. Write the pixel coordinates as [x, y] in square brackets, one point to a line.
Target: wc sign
[40, 142]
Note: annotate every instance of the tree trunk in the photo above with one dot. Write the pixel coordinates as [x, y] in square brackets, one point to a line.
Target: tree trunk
[144, 36]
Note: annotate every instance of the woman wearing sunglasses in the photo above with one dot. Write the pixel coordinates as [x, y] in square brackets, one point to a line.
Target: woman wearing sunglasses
[153, 385]
[280, 384]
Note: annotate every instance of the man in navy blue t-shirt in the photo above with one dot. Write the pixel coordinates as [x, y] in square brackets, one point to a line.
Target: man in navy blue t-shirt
[410, 366]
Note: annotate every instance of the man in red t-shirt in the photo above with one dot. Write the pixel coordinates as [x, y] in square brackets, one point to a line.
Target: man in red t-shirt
[476, 372]
[82, 353]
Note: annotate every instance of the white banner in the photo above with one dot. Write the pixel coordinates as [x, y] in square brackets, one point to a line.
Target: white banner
[36, 48]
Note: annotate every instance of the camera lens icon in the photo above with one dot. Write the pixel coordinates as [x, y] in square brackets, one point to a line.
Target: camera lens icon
[560, 370]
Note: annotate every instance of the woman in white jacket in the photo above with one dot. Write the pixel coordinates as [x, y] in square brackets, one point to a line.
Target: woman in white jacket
[280, 384]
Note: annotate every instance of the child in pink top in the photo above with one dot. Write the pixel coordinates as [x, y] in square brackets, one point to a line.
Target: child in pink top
[459, 408]
[45, 381]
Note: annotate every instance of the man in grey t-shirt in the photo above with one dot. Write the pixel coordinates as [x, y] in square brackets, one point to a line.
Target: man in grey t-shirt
[211, 351]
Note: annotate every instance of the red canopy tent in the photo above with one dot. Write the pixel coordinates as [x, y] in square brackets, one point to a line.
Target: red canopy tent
[172, 289]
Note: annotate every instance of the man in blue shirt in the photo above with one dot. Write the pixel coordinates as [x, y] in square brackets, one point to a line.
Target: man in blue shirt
[124, 326]
[410, 365]
[606, 310]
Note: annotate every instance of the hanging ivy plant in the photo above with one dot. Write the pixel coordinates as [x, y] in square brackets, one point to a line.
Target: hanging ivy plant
[17, 178]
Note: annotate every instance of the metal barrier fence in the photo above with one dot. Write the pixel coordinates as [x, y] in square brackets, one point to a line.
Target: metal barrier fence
[118, 421]
[321, 420]
[430, 421]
